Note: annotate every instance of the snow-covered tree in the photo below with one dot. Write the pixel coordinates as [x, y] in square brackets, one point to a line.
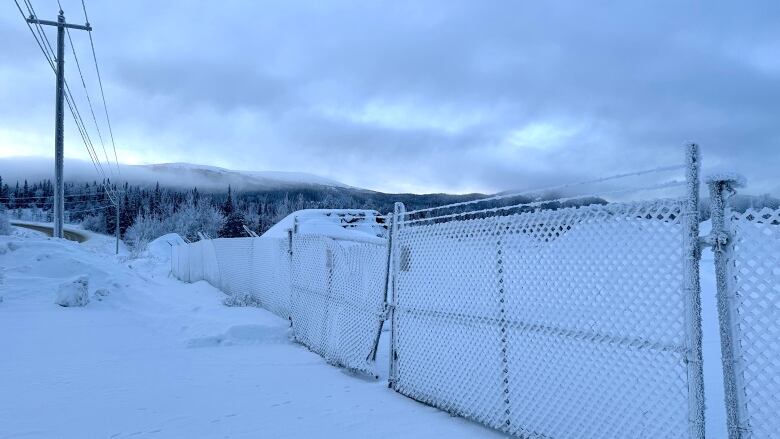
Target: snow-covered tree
[5, 226]
[234, 226]
[228, 207]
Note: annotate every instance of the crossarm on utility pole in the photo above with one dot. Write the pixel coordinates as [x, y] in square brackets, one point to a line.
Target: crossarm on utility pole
[86, 27]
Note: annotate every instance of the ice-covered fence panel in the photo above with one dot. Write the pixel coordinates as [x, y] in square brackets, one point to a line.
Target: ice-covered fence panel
[271, 275]
[259, 267]
[179, 263]
[567, 323]
[209, 264]
[194, 262]
[338, 298]
[754, 301]
[235, 257]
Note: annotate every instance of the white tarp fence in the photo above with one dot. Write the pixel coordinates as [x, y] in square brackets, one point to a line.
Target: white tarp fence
[747, 255]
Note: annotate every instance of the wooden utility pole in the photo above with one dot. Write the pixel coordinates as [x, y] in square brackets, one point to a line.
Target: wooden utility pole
[59, 134]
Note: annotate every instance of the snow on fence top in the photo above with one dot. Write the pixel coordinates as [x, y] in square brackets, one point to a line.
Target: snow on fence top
[349, 224]
[550, 314]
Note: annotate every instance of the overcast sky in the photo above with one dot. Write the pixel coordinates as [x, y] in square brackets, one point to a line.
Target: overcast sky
[415, 96]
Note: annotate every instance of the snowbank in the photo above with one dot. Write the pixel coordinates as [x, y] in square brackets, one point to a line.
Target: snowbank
[160, 248]
[162, 358]
[336, 223]
[74, 292]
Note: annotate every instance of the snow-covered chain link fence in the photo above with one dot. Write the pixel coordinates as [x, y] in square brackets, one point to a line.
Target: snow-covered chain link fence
[338, 296]
[195, 262]
[257, 267]
[580, 322]
[747, 252]
[332, 290]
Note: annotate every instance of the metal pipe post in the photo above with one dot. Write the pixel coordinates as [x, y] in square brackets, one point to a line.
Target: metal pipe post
[720, 238]
[692, 294]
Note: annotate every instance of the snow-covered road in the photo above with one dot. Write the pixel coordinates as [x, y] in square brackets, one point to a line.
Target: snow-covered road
[160, 358]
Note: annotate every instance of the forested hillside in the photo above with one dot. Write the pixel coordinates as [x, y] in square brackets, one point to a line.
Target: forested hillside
[149, 211]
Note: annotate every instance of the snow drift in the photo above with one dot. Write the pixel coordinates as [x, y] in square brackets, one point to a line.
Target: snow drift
[74, 292]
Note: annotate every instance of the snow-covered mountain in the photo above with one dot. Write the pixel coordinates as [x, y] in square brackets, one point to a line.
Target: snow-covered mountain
[212, 177]
[181, 175]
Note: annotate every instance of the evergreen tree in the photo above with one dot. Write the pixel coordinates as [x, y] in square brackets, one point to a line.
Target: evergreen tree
[234, 226]
[17, 194]
[228, 207]
[156, 202]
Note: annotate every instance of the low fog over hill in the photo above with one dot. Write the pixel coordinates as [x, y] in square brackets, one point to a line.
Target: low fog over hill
[173, 175]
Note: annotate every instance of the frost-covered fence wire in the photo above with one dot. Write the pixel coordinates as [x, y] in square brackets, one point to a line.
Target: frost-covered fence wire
[747, 255]
[332, 290]
[194, 262]
[259, 267]
[338, 296]
[580, 322]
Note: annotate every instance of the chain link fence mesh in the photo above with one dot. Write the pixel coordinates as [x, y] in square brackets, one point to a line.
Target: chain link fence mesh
[754, 301]
[338, 296]
[271, 275]
[332, 290]
[257, 267]
[568, 323]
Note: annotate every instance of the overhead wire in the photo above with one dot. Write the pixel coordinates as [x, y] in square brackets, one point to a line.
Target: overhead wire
[83, 194]
[108, 206]
[100, 83]
[72, 106]
[89, 100]
[549, 188]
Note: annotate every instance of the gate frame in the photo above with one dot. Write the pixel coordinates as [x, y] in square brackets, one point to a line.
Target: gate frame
[723, 187]
[392, 266]
[692, 293]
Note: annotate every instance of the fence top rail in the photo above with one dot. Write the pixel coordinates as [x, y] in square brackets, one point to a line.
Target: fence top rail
[347, 237]
[552, 188]
[537, 204]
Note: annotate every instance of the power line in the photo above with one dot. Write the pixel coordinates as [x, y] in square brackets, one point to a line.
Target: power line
[43, 43]
[83, 194]
[72, 105]
[86, 93]
[89, 100]
[108, 206]
[100, 83]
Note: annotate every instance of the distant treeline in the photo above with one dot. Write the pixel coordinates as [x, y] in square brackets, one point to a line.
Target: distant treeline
[146, 212]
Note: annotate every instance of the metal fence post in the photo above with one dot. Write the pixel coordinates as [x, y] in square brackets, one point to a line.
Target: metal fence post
[392, 270]
[503, 321]
[691, 257]
[721, 188]
[387, 307]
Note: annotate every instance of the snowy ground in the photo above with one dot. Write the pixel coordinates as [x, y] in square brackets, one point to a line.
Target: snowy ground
[160, 358]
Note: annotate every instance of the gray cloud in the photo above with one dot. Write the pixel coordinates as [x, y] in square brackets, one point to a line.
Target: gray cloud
[444, 95]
